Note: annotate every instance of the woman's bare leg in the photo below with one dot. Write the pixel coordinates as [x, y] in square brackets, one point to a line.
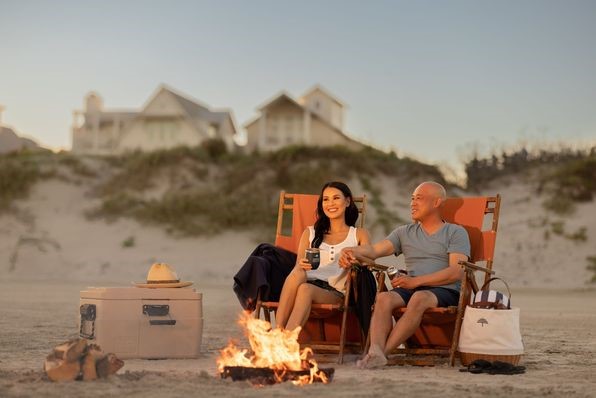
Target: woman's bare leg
[288, 295]
[305, 296]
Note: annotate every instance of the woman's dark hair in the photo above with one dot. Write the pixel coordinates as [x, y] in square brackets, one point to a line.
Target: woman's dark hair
[322, 224]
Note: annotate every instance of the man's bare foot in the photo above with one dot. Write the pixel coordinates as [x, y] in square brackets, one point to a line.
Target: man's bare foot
[374, 359]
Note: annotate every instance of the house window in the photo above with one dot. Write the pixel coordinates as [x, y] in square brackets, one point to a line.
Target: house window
[290, 129]
[211, 131]
[273, 130]
[161, 129]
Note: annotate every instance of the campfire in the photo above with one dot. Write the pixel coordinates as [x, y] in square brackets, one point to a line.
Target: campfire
[275, 357]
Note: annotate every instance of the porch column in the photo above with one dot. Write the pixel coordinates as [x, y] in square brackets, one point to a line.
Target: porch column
[306, 133]
[262, 142]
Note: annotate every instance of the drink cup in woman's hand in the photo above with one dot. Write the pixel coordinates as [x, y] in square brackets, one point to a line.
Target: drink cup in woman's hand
[313, 256]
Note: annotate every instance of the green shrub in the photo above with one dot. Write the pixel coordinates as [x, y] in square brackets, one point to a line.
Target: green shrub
[128, 242]
[16, 179]
[579, 235]
[117, 205]
[215, 147]
[75, 164]
[573, 181]
[576, 179]
[561, 205]
[558, 227]
[592, 267]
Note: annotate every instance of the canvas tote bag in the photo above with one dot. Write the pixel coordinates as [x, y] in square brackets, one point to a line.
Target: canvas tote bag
[489, 333]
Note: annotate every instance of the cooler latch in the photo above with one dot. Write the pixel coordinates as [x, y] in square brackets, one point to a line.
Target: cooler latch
[160, 310]
[87, 328]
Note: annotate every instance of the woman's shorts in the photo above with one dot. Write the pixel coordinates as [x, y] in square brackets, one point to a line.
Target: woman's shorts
[325, 285]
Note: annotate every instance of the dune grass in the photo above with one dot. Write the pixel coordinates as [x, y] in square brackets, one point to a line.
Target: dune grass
[19, 171]
[15, 181]
[592, 267]
[566, 176]
[569, 183]
[222, 191]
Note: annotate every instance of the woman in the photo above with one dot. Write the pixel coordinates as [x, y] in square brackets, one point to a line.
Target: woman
[333, 230]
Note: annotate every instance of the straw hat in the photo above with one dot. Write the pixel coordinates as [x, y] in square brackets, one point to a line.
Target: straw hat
[162, 275]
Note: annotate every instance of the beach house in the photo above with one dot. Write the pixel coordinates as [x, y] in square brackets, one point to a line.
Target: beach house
[316, 118]
[168, 119]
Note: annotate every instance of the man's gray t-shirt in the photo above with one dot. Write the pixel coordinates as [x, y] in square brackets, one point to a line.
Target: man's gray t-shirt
[425, 254]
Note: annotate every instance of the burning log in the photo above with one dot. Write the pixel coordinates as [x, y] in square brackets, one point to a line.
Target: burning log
[75, 360]
[264, 376]
[275, 357]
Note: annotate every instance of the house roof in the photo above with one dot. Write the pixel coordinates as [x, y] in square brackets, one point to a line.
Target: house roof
[193, 109]
[338, 131]
[318, 87]
[282, 95]
[196, 110]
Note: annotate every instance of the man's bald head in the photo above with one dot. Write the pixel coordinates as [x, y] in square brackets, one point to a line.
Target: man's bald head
[433, 188]
[427, 200]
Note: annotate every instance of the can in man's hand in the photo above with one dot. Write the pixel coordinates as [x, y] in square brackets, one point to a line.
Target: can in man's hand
[393, 272]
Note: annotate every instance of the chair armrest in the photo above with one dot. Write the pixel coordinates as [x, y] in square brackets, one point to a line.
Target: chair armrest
[374, 267]
[469, 265]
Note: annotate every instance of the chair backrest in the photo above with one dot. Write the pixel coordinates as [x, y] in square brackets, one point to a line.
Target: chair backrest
[474, 214]
[303, 210]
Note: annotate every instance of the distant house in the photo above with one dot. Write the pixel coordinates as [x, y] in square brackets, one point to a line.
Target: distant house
[316, 118]
[167, 120]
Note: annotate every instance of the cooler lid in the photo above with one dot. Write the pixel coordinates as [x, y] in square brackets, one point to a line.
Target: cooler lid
[138, 293]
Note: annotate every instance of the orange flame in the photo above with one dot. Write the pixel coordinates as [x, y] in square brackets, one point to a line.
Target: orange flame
[277, 349]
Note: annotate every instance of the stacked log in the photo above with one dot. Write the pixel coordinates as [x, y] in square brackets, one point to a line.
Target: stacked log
[78, 360]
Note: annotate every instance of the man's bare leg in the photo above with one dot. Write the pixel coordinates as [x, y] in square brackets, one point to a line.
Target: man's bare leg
[380, 326]
[306, 295]
[410, 320]
[288, 295]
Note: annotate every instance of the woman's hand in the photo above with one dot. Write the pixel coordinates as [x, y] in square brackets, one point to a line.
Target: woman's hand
[347, 257]
[304, 264]
[406, 282]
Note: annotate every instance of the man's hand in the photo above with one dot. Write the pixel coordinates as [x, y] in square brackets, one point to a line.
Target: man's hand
[347, 257]
[406, 282]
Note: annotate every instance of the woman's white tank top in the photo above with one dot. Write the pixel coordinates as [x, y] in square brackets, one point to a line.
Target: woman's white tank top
[329, 269]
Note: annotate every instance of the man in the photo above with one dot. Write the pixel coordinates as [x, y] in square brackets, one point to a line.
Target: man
[432, 249]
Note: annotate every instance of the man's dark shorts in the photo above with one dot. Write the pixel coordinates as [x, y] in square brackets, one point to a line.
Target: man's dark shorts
[445, 297]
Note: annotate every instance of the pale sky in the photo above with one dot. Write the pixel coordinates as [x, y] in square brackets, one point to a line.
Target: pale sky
[428, 78]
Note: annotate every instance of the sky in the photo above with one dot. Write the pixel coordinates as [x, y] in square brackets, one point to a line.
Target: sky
[430, 79]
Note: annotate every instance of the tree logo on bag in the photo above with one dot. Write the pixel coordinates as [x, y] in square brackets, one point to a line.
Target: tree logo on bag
[482, 321]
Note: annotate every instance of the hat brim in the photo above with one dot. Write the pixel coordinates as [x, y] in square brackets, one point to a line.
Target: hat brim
[162, 285]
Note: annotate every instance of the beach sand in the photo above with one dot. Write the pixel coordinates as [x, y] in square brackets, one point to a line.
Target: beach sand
[558, 327]
[49, 252]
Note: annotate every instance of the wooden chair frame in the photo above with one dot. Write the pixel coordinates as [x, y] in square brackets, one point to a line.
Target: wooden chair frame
[468, 287]
[318, 311]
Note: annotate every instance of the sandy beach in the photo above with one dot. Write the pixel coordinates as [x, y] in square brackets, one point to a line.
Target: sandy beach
[50, 252]
[558, 329]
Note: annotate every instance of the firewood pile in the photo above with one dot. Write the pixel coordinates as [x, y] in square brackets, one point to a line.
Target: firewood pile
[78, 360]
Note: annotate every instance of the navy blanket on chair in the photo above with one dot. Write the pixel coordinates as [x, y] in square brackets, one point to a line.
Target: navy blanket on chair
[265, 270]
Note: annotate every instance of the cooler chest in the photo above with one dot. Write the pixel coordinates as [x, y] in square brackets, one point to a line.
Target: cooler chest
[134, 322]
